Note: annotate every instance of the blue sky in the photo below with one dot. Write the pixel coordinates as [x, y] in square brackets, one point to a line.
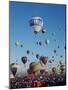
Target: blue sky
[53, 16]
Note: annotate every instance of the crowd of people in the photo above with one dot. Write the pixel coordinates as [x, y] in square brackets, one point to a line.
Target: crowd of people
[41, 80]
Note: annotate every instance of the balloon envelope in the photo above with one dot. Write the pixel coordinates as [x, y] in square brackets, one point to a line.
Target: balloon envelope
[43, 30]
[40, 43]
[21, 45]
[54, 51]
[44, 59]
[24, 59]
[61, 62]
[37, 56]
[14, 70]
[47, 41]
[28, 51]
[36, 23]
[17, 43]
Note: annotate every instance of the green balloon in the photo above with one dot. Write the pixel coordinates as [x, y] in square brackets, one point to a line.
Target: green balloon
[17, 43]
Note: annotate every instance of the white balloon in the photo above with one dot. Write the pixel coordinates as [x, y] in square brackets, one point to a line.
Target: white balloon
[47, 41]
[36, 23]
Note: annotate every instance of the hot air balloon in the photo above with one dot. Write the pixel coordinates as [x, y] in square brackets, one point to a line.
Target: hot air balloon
[61, 62]
[47, 41]
[14, 67]
[37, 56]
[28, 51]
[24, 59]
[17, 43]
[43, 30]
[36, 23]
[40, 43]
[21, 45]
[44, 59]
[35, 67]
[54, 51]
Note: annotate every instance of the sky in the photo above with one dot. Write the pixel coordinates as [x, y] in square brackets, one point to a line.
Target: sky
[53, 16]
